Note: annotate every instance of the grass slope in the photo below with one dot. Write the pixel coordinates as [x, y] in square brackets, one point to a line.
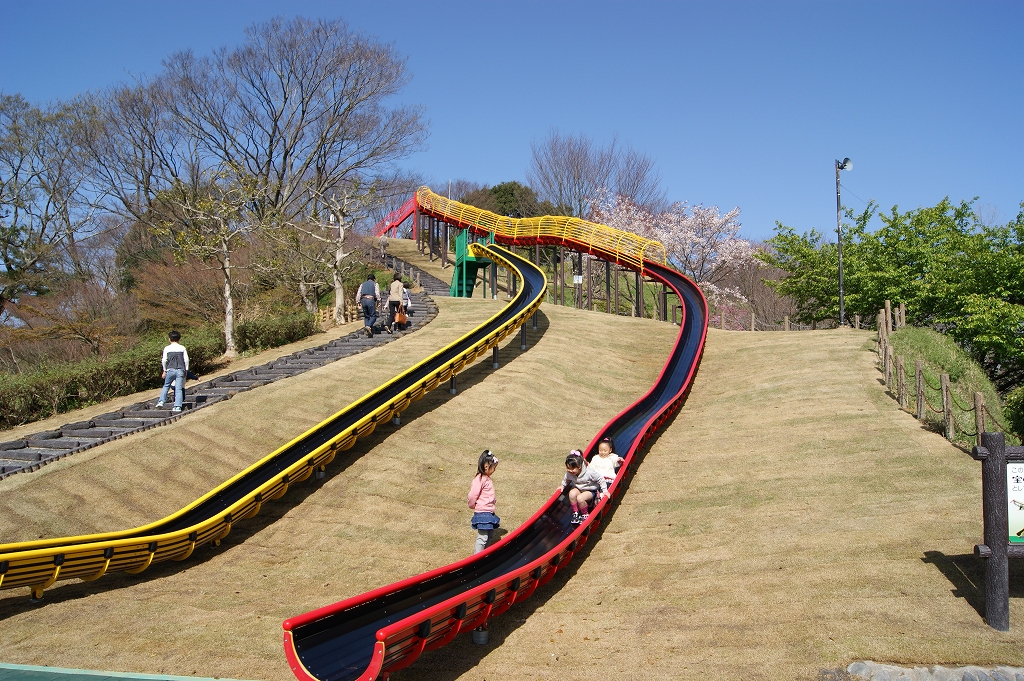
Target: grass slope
[941, 355]
[392, 507]
[789, 519]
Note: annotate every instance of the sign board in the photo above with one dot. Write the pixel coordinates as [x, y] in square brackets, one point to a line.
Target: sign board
[577, 278]
[1015, 500]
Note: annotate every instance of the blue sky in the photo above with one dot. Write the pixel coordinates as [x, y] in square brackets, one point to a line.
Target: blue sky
[741, 104]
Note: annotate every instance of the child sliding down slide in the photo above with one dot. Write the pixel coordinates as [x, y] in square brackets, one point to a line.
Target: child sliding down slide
[583, 483]
[606, 462]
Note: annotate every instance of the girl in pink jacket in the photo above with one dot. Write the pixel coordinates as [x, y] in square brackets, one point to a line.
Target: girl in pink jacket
[482, 500]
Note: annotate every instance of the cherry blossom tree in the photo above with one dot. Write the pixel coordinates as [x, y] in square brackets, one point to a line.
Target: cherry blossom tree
[699, 240]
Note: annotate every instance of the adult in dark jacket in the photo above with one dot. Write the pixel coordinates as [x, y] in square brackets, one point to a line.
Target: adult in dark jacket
[367, 296]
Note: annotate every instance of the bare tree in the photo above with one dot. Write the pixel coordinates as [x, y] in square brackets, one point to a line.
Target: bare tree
[44, 197]
[571, 170]
[300, 106]
[637, 179]
[210, 223]
[298, 110]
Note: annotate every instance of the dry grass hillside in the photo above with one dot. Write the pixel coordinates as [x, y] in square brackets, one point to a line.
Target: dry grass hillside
[391, 507]
[789, 519]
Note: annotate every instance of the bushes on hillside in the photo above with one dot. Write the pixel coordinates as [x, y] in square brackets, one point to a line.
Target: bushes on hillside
[1014, 411]
[941, 355]
[270, 332]
[63, 387]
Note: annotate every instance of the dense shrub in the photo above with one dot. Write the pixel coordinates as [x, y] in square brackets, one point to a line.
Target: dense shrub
[1014, 411]
[63, 387]
[942, 355]
[270, 332]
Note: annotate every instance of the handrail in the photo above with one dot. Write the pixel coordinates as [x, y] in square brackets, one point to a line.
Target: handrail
[613, 244]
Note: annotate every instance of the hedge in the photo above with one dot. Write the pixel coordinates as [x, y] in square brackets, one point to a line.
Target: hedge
[64, 387]
[57, 389]
[270, 332]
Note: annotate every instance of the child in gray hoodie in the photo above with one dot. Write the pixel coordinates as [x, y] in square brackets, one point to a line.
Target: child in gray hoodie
[583, 484]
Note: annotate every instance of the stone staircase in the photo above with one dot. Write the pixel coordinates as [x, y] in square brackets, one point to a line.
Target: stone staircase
[38, 449]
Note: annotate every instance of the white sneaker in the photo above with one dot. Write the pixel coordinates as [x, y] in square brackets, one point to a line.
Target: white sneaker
[176, 409]
[159, 404]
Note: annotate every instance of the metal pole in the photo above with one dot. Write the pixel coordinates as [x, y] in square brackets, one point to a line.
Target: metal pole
[453, 385]
[616, 289]
[494, 357]
[639, 296]
[522, 337]
[590, 285]
[444, 247]
[839, 236]
[607, 286]
[577, 289]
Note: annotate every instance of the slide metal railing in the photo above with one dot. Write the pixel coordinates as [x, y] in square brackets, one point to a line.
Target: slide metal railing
[608, 243]
[39, 564]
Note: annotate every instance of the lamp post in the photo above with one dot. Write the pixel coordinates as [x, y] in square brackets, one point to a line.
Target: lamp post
[845, 164]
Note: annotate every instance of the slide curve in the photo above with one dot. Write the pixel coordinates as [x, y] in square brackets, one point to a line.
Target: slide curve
[387, 629]
[39, 564]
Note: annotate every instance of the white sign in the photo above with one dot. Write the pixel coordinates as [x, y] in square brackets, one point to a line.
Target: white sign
[577, 278]
[1015, 500]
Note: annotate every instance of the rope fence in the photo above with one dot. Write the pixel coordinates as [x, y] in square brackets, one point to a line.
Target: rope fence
[955, 418]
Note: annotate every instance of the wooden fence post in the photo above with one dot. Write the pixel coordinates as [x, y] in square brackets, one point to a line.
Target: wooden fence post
[901, 383]
[919, 377]
[721, 318]
[888, 317]
[903, 315]
[979, 414]
[751, 320]
[785, 321]
[947, 407]
[992, 455]
[856, 321]
[888, 366]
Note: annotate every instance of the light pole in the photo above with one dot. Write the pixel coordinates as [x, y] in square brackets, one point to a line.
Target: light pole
[845, 164]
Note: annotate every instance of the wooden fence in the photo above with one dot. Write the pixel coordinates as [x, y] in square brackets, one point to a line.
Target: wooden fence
[948, 407]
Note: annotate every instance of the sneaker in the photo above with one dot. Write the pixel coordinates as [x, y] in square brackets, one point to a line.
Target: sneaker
[584, 516]
[159, 404]
[575, 518]
[176, 409]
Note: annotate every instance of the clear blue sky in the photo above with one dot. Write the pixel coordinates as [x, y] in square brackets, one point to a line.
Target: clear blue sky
[741, 104]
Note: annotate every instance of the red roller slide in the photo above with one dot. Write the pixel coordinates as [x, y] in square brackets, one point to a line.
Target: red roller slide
[371, 635]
